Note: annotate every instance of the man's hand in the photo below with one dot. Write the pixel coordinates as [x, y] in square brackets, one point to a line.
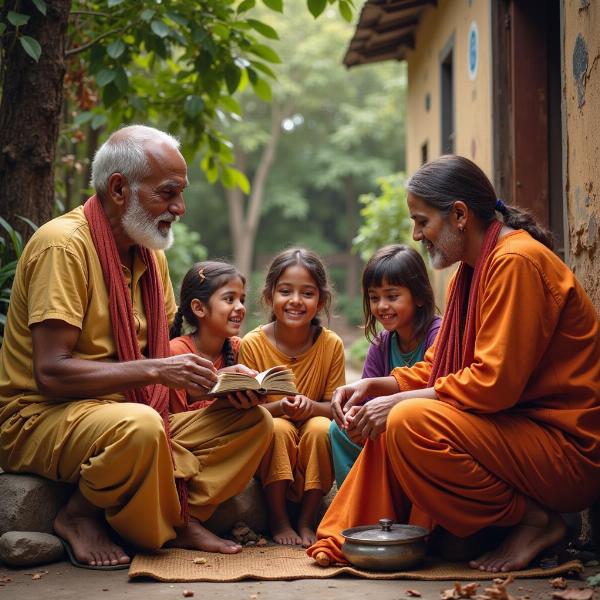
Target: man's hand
[299, 408]
[190, 372]
[347, 396]
[371, 419]
[243, 369]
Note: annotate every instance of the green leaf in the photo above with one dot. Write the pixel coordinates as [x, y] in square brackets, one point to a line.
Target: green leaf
[252, 76]
[112, 3]
[262, 67]
[31, 224]
[82, 118]
[345, 11]
[31, 46]
[17, 19]
[177, 18]
[110, 94]
[41, 6]
[263, 90]
[265, 52]
[115, 49]
[121, 80]
[105, 76]
[232, 78]
[98, 121]
[276, 5]
[160, 29]
[316, 7]
[246, 5]
[147, 14]
[2, 28]
[230, 104]
[263, 29]
[232, 177]
[193, 105]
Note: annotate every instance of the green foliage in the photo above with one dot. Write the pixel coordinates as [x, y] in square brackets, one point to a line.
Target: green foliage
[12, 29]
[185, 251]
[386, 219]
[11, 248]
[351, 308]
[357, 352]
[594, 580]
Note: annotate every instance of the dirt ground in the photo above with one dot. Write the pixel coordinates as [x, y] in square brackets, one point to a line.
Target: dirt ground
[65, 582]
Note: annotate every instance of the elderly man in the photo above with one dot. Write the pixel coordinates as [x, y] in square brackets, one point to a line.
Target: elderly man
[85, 370]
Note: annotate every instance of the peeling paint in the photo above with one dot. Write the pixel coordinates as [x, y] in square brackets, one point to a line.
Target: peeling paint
[580, 65]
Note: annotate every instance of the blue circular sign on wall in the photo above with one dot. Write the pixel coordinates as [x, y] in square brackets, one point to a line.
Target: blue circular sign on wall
[473, 50]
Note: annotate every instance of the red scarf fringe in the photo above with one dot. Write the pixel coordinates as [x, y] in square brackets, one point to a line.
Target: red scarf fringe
[455, 345]
[123, 325]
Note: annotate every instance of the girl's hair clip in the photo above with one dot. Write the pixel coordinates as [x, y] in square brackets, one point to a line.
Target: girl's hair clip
[201, 275]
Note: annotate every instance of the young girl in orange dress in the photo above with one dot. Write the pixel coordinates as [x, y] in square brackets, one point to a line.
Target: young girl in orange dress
[212, 303]
[298, 466]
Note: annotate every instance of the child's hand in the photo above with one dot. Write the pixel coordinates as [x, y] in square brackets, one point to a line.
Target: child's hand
[350, 426]
[245, 400]
[299, 408]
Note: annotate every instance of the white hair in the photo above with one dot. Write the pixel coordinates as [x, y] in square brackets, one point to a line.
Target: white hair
[124, 152]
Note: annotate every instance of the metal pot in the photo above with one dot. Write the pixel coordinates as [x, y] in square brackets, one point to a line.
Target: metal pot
[384, 547]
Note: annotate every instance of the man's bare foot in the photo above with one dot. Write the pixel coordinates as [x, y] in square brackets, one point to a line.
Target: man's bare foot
[196, 537]
[82, 525]
[307, 534]
[537, 531]
[282, 532]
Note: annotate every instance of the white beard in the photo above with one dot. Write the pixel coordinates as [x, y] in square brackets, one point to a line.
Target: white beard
[143, 229]
[447, 250]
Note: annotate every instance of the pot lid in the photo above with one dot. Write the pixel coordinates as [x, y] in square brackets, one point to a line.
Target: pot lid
[386, 532]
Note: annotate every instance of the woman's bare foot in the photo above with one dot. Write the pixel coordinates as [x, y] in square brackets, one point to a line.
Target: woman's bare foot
[83, 526]
[307, 534]
[282, 531]
[196, 537]
[537, 531]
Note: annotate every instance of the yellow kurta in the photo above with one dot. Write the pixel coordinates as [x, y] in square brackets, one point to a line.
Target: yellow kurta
[117, 452]
[300, 453]
[521, 421]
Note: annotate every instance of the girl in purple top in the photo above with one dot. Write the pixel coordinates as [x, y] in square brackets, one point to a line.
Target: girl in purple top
[397, 294]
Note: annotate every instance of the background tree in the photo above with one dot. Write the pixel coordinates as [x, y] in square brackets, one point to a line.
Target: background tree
[176, 61]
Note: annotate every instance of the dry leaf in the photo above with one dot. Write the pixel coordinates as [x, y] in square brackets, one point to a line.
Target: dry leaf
[573, 594]
[498, 590]
[200, 560]
[559, 583]
[413, 593]
[187, 593]
[459, 591]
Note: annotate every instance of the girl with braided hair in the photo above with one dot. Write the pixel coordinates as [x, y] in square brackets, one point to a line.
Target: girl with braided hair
[211, 302]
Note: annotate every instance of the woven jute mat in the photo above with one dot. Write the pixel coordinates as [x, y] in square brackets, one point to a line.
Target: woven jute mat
[286, 563]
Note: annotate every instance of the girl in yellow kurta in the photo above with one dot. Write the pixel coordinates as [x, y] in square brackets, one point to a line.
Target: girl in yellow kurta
[298, 464]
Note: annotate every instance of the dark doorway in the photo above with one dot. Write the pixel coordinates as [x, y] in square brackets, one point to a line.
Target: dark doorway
[447, 97]
[527, 109]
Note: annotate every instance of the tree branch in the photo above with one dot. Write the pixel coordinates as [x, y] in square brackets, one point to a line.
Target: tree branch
[74, 51]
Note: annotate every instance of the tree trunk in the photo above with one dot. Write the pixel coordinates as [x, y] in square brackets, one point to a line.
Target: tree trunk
[30, 115]
[353, 268]
[243, 224]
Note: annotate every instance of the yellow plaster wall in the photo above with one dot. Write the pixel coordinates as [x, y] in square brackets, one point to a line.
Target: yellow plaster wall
[582, 141]
[473, 99]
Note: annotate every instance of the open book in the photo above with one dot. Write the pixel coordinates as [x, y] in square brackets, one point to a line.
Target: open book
[276, 380]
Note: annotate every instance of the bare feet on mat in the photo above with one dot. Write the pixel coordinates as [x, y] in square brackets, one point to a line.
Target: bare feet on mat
[537, 531]
[307, 534]
[83, 527]
[195, 536]
[282, 532]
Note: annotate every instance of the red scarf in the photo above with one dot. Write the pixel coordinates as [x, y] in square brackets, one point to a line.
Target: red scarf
[121, 316]
[455, 346]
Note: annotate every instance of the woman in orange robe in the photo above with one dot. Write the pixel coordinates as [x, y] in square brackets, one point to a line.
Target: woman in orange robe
[499, 425]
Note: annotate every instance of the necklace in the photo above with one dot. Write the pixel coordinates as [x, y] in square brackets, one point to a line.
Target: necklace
[303, 349]
[405, 358]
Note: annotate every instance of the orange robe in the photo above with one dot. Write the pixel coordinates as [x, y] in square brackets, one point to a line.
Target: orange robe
[184, 344]
[523, 420]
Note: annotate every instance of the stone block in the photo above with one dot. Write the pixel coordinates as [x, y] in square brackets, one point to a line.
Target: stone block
[29, 548]
[29, 502]
[248, 506]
